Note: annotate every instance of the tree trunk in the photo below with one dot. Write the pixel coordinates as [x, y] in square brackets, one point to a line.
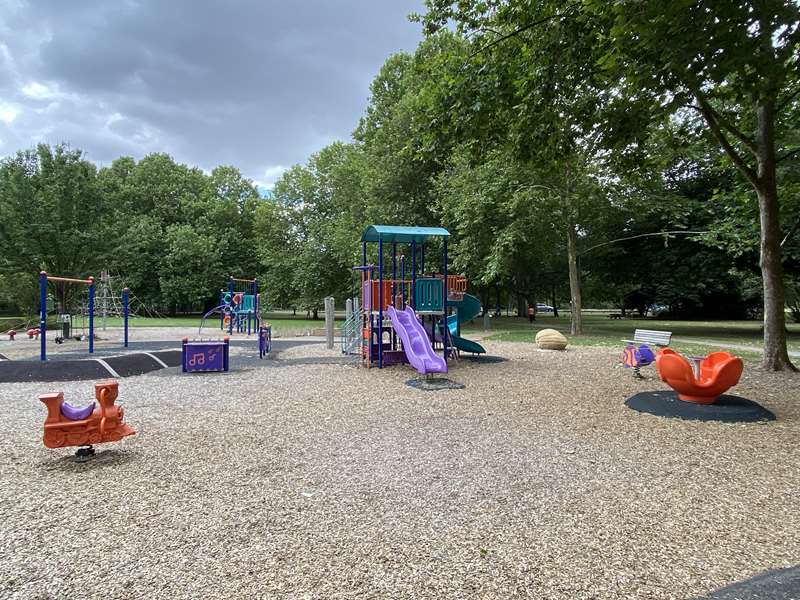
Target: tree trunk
[521, 305]
[315, 313]
[576, 322]
[776, 356]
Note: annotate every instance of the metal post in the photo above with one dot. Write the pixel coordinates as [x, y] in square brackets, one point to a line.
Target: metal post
[230, 291]
[403, 281]
[125, 316]
[43, 315]
[444, 319]
[422, 260]
[222, 311]
[380, 303]
[394, 289]
[394, 271]
[348, 309]
[329, 322]
[414, 274]
[256, 324]
[91, 315]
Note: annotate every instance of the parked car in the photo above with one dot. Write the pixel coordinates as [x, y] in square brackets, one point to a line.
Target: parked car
[545, 308]
[656, 310]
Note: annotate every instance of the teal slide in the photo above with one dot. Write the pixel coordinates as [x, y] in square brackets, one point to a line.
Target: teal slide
[467, 309]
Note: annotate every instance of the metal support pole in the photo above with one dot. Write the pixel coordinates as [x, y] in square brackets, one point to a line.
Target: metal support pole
[394, 289]
[380, 303]
[91, 315]
[125, 316]
[329, 322]
[403, 281]
[43, 315]
[232, 313]
[414, 275]
[394, 271]
[422, 260]
[256, 322]
[444, 319]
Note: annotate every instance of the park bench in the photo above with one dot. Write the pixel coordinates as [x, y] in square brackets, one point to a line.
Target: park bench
[637, 352]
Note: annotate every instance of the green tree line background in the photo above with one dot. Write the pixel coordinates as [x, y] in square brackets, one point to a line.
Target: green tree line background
[550, 147]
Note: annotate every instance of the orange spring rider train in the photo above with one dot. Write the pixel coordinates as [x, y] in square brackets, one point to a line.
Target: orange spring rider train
[68, 425]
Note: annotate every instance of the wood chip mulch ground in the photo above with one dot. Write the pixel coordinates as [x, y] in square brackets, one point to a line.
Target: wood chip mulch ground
[321, 480]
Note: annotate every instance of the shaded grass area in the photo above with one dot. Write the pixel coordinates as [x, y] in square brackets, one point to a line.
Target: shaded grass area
[688, 336]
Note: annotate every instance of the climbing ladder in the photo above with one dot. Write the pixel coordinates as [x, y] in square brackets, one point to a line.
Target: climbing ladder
[351, 333]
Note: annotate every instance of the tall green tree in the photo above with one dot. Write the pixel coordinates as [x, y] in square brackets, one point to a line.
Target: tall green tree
[735, 63]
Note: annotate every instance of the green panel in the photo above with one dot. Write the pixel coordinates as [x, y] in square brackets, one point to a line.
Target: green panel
[428, 295]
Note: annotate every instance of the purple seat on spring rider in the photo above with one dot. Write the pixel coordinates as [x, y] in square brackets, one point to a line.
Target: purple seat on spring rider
[76, 413]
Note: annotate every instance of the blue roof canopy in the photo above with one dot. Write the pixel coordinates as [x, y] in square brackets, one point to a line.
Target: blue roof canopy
[404, 235]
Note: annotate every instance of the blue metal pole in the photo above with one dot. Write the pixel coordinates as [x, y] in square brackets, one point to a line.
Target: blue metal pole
[422, 260]
[43, 315]
[413, 274]
[125, 315]
[380, 303]
[91, 315]
[403, 281]
[394, 271]
[232, 313]
[444, 268]
[256, 323]
[394, 287]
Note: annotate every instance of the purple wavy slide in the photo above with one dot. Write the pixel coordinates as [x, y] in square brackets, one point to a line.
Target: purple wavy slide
[416, 344]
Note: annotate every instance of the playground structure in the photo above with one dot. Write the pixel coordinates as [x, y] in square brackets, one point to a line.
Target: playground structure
[404, 319]
[701, 381]
[66, 317]
[68, 425]
[240, 306]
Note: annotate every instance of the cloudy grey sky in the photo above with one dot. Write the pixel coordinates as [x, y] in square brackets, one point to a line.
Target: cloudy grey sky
[259, 84]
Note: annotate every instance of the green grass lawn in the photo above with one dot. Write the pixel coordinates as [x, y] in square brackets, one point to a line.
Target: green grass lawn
[283, 323]
[602, 331]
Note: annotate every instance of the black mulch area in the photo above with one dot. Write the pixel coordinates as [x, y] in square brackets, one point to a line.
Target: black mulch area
[781, 584]
[12, 371]
[81, 366]
[482, 358]
[729, 409]
[434, 384]
[172, 358]
[133, 364]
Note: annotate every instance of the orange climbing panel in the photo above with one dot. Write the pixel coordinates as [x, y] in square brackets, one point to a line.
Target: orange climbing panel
[67, 425]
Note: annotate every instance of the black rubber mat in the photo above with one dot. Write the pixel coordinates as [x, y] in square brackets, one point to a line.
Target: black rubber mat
[781, 584]
[729, 409]
[133, 364]
[435, 384]
[63, 370]
[75, 367]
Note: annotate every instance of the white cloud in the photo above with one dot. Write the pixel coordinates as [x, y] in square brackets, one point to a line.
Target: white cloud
[8, 113]
[34, 89]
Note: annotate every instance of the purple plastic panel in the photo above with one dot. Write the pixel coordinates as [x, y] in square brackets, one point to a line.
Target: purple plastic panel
[204, 357]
